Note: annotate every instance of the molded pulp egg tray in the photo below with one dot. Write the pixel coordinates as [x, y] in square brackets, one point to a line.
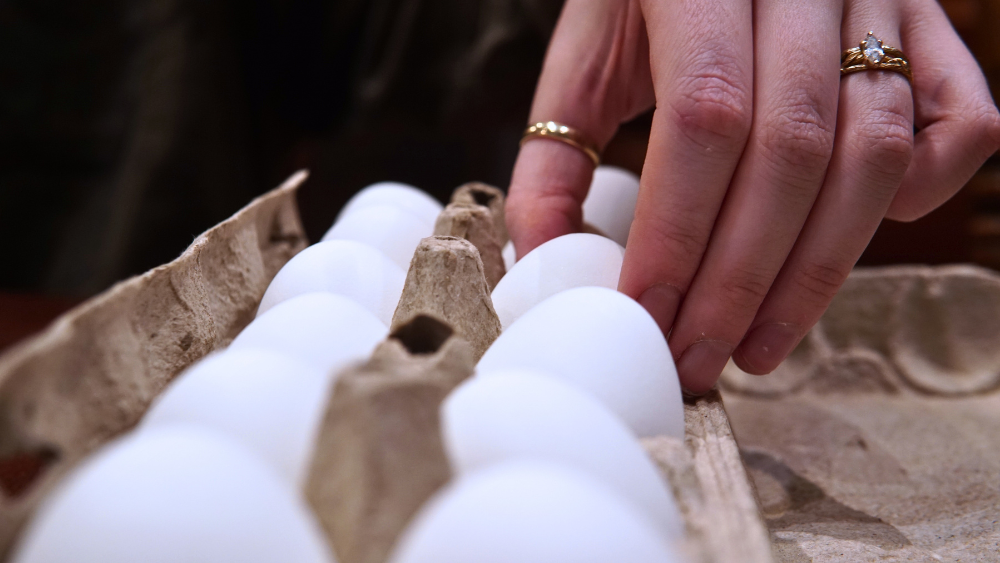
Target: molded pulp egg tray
[879, 439]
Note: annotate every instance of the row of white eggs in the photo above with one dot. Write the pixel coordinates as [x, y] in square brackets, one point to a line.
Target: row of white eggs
[394, 217]
[268, 389]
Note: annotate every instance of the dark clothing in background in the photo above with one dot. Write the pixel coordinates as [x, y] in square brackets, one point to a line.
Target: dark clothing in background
[128, 127]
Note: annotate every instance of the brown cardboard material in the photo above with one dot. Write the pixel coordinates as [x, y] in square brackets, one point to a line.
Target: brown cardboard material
[475, 224]
[900, 329]
[446, 281]
[478, 193]
[92, 373]
[711, 487]
[878, 439]
[379, 455]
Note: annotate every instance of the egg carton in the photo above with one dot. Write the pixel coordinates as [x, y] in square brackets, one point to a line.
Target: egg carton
[94, 372]
[91, 375]
[877, 439]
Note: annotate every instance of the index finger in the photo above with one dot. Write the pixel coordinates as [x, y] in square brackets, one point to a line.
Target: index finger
[596, 75]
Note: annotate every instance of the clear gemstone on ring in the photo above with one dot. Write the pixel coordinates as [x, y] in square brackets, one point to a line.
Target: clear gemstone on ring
[873, 49]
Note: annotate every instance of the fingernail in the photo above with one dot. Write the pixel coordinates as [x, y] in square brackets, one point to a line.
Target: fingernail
[701, 364]
[661, 301]
[767, 345]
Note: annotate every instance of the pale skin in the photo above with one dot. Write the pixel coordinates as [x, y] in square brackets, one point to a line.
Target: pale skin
[766, 173]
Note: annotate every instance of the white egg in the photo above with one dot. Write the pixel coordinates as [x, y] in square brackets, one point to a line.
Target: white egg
[173, 494]
[520, 414]
[610, 203]
[396, 194]
[344, 267]
[604, 342]
[575, 260]
[394, 231]
[530, 512]
[325, 330]
[509, 255]
[269, 402]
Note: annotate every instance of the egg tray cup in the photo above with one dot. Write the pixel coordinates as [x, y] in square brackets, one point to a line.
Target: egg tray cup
[877, 436]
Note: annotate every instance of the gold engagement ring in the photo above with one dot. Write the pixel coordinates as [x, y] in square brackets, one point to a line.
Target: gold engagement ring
[872, 54]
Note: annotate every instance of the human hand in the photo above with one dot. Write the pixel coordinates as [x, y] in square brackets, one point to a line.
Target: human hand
[766, 173]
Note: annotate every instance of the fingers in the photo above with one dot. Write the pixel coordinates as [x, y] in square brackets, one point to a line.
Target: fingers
[596, 75]
[873, 149]
[796, 81]
[547, 190]
[701, 57]
[958, 121]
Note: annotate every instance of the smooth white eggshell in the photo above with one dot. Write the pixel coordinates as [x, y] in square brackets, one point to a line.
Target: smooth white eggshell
[172, 494]
[344, 267]
[325, 330]
[610, 203]
[509, 255]
[269, 402]
[565, 262]
[530, 512]
[395, 194]
[394, 231]
[604, 342]
[520, 414]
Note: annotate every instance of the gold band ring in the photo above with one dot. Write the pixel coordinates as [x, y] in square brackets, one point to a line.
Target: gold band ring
[872, 54]
[564, 134]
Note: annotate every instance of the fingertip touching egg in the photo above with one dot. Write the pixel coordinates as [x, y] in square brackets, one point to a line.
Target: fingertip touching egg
[604, 342]
[394, 231]
[325, 330]
[610, 202]
[565, 262]
[522, 414]
[177, 493]
[395, 194]
[530, 512]
[269, 402]
[349, 268]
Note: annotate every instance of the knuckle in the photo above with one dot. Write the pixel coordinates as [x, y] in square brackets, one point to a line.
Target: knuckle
[744, 289]
[711, 103]
[821, 280]
[798, 136]
[682, 241]
[884, 142]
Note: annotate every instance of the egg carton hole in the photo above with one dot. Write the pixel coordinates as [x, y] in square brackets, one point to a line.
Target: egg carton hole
[424, 335]
[482, 197]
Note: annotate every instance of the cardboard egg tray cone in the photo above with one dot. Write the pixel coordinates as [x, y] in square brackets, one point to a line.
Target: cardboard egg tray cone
[877, 440]
[379, 453]
[93, 372]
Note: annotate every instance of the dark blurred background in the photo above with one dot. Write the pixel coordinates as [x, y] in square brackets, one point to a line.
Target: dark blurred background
[127, 127]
